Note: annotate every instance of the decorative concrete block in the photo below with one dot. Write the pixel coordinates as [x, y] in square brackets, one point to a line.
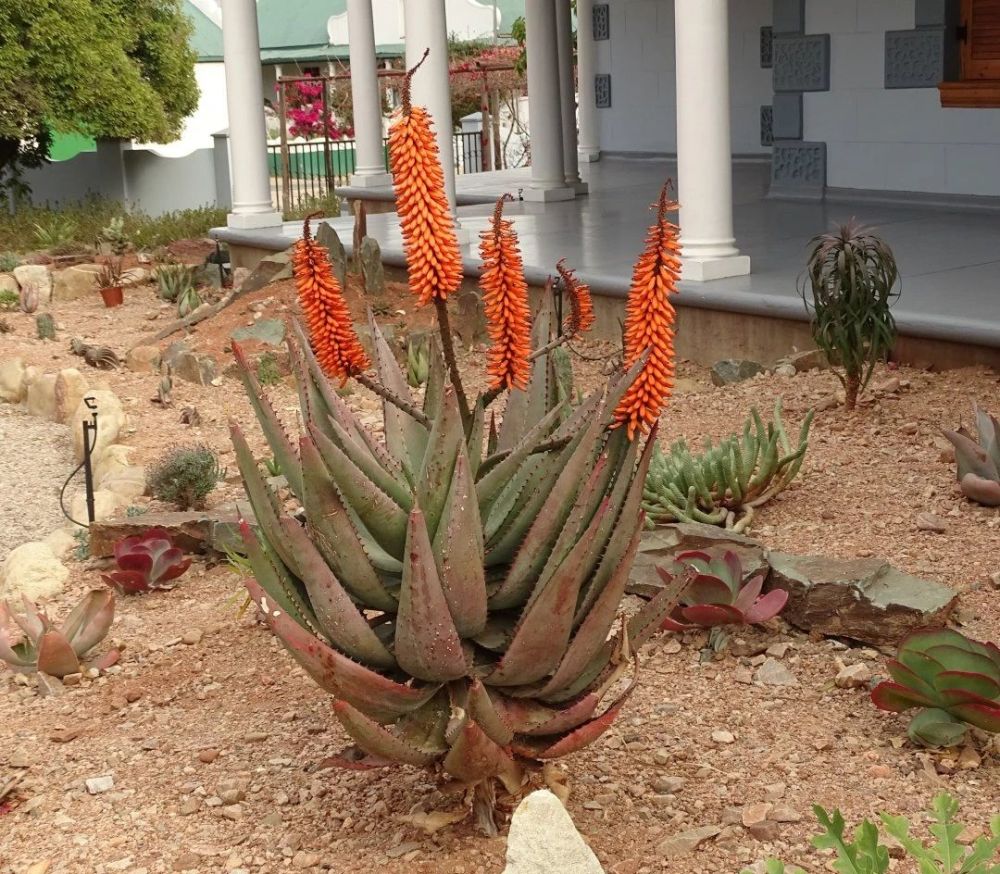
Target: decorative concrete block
[602, 90]
[789, 16]
[602, 21]
[802, 63]
[787, 116]
[798, 168]
[766, 48]
[914, 58]
[767, 125]
[930, 13]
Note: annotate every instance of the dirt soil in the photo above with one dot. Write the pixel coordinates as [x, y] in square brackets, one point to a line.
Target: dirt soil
[217, 743]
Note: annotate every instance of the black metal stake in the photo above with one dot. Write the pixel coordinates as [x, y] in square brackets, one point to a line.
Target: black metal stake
[89, 428]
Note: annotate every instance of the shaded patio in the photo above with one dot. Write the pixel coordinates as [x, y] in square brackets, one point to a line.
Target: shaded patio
[949, 260]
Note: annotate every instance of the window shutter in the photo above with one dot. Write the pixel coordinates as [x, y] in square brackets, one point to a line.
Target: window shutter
[981, 50]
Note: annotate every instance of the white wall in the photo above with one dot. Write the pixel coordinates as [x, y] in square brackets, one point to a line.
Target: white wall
[211, 116]
[897, 139]
[640, 58]
[467, 19]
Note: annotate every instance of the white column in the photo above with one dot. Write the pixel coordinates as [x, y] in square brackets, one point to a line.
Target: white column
[426, 27]
[704, 143]
[589, 145]
[251, 181]
[567, 95]
[548, 175]
[366, 98]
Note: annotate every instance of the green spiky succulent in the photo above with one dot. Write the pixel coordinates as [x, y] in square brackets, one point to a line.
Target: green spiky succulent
[726, 483]
[455, 590]
[979, 462]
[417, 360]
[173, 281]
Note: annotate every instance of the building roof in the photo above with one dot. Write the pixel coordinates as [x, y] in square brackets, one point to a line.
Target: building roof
[207, 37]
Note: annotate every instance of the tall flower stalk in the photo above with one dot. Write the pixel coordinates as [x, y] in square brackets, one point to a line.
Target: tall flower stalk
[581, 307]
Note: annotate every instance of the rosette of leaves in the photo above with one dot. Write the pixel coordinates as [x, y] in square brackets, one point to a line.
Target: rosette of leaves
[979, 461]
[455, 588]
[146, 562]
[953, 680]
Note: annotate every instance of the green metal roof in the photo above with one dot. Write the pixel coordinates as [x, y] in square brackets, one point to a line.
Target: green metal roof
[323, 53]
[207, 37]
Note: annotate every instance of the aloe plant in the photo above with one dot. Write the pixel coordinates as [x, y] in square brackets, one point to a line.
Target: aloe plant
[455, 590]
[716, 594]
[726, 483]
[173, 281]
[979, 462]
[57, 650]
[146, 562]
[953, 679]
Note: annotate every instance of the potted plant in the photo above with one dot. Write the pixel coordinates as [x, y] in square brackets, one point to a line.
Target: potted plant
[109, 282]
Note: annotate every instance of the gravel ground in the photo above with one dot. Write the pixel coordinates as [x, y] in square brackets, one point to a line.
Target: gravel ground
[38, 456]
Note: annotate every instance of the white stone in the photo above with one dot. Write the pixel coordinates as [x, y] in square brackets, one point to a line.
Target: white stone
[106, 504]
[42, 397]
[75, 282]
[853, 676]
[135, 276]
[97, 785]
[9, 283]
[38, 275]
[61, 541]
[70, 387]
[110, 421]
[127, 484]
[543, 840]
[143, 359]
[33, 570]
[13, 380]
[114, 460]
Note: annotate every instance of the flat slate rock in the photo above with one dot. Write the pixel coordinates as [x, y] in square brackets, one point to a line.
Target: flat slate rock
[731, 370]
[269, 331]
[192, 531]
[864, 599]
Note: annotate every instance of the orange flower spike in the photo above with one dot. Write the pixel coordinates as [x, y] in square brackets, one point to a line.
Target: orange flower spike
[581, 312]
[331, 328]
[505, 300]
[649, 323]
[433, 257]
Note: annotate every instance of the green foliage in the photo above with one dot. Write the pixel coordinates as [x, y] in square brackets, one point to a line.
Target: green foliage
[272, 466]
[328, 204]
[417, 360]
[45, 326]
[726, 483]
[134, 510]
[519, 33]
[115, 236]
[852, 275]
[8, 261]
[268, 372]
[55, 232]
[185, 476]
[173, 281]
[864, 854]
[978, 460]
[9, 300]
[188, 302]
[104, 68]
[81, 551]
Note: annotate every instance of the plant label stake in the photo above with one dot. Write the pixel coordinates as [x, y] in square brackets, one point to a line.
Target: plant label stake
[89, 431]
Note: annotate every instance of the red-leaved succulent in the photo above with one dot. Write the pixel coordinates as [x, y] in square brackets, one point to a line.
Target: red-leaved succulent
[717, 594]
[146, 562]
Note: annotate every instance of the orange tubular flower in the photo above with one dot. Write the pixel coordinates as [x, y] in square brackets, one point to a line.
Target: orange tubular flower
[649, 323]
[505, 299]
[581, 312]
[432, 254]
[331, 328]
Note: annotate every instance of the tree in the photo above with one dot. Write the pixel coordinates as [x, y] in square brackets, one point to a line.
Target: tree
[104, 68]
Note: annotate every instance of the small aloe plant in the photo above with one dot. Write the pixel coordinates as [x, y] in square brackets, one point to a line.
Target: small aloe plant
[979, 462]
[57, 651]
[717, 594]
[146, 562]
[954, 680]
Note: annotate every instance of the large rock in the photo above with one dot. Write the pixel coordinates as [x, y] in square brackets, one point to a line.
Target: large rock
[543, 840]
[143, 359]
[110, 421]
[189, 366]
[9, 283]
[268, 331]
[61, 541]
[192, 531]
[270, 269]
[327, 237]
[659, 546]
[370, 259]
[32, 570]
[127, 484]
[865, 599]
[106, 505]
[13, 380]
[732, 370]
[70, 387]
[41, 397]
[75, 282]
[38, 275]
[114, 460]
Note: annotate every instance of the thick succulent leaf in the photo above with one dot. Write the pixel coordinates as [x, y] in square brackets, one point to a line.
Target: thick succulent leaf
[542, 633]
[446, 441]
[924, 638]
[767, 607]
[474, 442]
[382, 699]
[437, 374]
[347, 549]
[989, 433]
[274, 432]
[953, 697]
[474, 757]
[427, 643]
[32, 621]
[936, 728]
[644, 624]
[483, 709]
[749, 593]
[361, 455]
[376, 740]
[711, 615]
[705, 589]
[984, 716]
[529, 717]
[20, 655]
[129, 582]
[55, 656]
[341, 622]
[458, 549]
[617, 388]
[956, 658]
[515, 508]
[921, 664]
[262, 499]
[897, 698]
[380, 514]
[405, 437]
[913, 681]
[981, 490]
[972, 458]
[89, 621]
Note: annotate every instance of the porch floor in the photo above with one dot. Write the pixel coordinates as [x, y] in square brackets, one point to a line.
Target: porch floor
[949, 259]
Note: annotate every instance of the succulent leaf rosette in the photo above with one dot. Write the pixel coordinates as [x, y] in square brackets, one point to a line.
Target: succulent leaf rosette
[146, 562]
[953, 679]
[979, 462]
